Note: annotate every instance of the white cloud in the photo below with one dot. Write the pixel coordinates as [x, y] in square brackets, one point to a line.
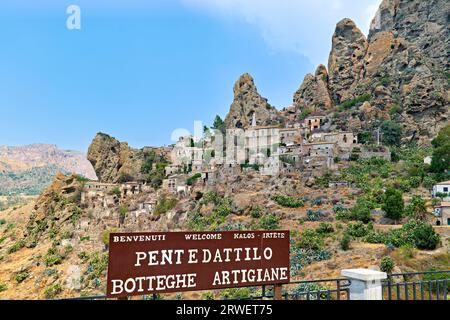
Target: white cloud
[301, 26]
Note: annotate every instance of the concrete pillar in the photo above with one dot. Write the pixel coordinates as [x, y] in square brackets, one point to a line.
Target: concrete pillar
[365, 283]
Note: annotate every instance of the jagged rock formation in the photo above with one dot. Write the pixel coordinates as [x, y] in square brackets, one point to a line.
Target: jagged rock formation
[403, 69]
[247, 101]
[114, 160]
[346, 60]
[58, 203]
[314, 91]
[423, 23]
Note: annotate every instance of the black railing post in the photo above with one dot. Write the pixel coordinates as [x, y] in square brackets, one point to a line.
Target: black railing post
[338, 289]
[389, 287]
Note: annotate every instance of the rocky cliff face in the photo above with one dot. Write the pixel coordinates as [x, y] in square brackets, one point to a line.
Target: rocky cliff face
[402, 69]
[114, 160]
[346, 60]
[314, 91]
[423, 23]
[247, 101]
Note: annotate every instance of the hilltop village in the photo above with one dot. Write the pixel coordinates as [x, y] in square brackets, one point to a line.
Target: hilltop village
[357, 168]
[303, 151]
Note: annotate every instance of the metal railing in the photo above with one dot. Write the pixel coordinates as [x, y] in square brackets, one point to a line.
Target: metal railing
[431, 285]
[326, 289]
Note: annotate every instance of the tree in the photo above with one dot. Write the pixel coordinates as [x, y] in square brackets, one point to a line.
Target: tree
[394, 205]
[345, 242]
[387, 264]
[442, 138]
[219, 125]
[391, 133]
[361, 211]
[365, 137]
[441, 154]
[417, 208]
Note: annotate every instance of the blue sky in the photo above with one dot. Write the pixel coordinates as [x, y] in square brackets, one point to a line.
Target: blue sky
[140, 69]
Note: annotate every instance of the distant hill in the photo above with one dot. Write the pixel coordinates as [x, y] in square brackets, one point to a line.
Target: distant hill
[29, 169]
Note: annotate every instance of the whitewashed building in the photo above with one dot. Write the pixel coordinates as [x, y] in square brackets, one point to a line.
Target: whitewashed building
[442, 187]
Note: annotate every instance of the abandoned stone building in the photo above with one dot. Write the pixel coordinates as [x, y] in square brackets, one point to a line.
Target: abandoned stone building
[290, 136]
[176, 185]
[442, 214]
[315, 120]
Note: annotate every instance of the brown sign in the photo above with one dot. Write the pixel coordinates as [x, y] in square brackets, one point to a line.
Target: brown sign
[149, 263]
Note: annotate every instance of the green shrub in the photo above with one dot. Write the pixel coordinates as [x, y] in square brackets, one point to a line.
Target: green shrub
[269, 222]
[441, 195]
[236, 293]
[354, 156]
[288, 202]
[357, 230]
[97, 265]
[191, 180]
[365, 137]
[16, 246]
[416, 233]
[358, 100]
[3, 287]
[310, 239]
[394, 109]
[53, 257]
[123, 210]
[299, 258]
[345, 242]
[83, 256]
[407, 251]
[325, 228]
[52, 291]
[165, 204]
[376, 237]
[256, 212]
[106, 235]
[208, 296]
[22, 276]
[423, 235]
[223, 209]
[81, 178]
[314, 291]
[361, 211]
[314, 215]
[116, 191]
[305, 113]
[387, 264]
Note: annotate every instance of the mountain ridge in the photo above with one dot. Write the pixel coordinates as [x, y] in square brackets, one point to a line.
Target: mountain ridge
[27, 169]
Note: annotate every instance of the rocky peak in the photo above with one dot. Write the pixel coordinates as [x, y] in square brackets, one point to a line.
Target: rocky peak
[247, 101]
[346, 60]
[314, 91]
[114, 160]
